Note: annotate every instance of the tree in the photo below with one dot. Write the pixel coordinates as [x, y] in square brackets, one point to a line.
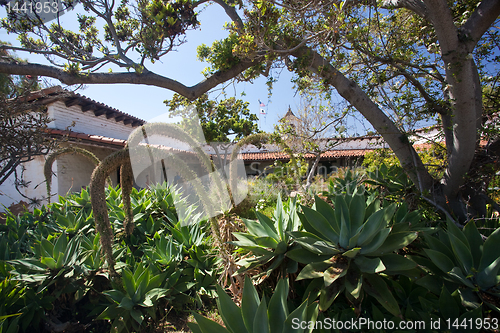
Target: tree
[23, 126]
[135, 34]
[222, 122]
[394, 61]
[315, 131]
[437, 52]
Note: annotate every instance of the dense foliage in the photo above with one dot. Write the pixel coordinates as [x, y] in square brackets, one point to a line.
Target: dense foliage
[54, 275]
[352, 254]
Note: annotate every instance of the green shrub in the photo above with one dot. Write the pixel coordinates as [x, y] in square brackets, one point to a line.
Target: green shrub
[470, 263]
[54, 271]
[257, 315]
[269, 241]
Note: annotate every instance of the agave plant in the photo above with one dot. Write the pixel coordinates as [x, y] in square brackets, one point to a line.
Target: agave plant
[53, 257]
[359, 240]
[463, 257]
[255, 315]
[133, 303]
[269, 240]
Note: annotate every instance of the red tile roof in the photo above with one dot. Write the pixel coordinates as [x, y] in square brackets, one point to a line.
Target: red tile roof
[284, 156]
[87, 138]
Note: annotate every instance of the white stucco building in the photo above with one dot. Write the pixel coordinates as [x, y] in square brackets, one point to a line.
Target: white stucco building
[82, 122]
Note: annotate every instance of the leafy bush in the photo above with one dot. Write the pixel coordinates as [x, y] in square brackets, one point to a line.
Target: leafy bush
[359, 238]
[269, 240]
[472, 264]
[256, 315]
[53, 269]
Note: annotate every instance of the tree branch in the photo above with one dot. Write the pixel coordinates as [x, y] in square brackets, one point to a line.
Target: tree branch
[480, 21]
[230, 11]
[148, 78]
[441, 18]
[349, 90]
[415, 6]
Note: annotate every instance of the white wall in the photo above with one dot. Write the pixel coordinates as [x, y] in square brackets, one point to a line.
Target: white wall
[74, 170]
[86, 122]
[36, 189]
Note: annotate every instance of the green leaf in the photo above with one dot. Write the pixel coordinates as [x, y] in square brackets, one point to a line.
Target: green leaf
[312, 243]
[488, 277]
[352, 252]
[370, 228]
[369, 265]
[396, 262]
[252, 248]
[327, 211]
[60, 245]
[332, 273]
[463, 253]
[49, 262]
[268, 225]
[440, 260]
[128, 282]
[321, 225]
[255, 228]
[376, 242]
[115, 295]
[230, 313]
[341, 208]
[307, 226]
[299, 314]
[329, 294]
[357, 211]
[431, 283]
[249, 304]
[281, 248]
[437, 245]
[267, 242]
[491, 250]
[260, 322]
[313, 270]
[472, 316]
[376, 287]
[194, 327]
[304, 256]
[401, 213]
[126, 303]
[458, 275]
[394, 241]
[475, 241]
[278, 308]
[47, 248]
[353, 284]
[345, 230]
[455, 231]
[154, 295]
[208, 326]
[30, 265]
[279, 217]
[137, 316]
[447, 305]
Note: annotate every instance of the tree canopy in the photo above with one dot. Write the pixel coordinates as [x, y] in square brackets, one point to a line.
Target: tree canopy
[394, 61]
[223, 121]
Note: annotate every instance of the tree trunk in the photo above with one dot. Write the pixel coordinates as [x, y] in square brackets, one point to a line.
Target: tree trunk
[353, 93]
[311, 172]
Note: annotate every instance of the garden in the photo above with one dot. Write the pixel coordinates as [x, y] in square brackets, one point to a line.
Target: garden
[363, 253]
[410, 244]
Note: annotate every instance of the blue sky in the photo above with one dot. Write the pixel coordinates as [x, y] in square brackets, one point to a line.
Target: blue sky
[146, 102]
